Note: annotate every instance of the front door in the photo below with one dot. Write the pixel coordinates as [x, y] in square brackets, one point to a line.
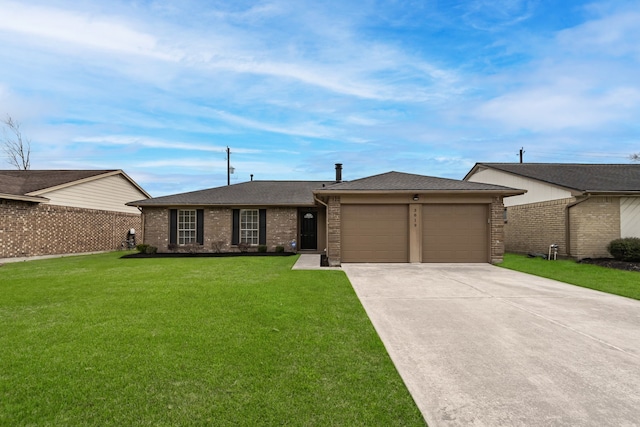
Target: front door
[309, 230]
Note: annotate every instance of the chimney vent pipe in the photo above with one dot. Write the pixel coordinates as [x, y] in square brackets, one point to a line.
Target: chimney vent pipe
[338, 172]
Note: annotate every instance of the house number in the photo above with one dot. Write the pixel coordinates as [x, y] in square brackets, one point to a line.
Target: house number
[415, 217]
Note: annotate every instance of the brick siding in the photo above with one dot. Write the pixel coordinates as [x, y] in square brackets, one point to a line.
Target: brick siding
[156, 227]
[217, 229]
[282, 228]
[594, 223]
[29, 229]
[497, 231]
[333, 218]
[533, 227]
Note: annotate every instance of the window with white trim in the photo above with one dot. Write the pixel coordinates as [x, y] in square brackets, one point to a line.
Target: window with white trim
[187, 224]
[249, 226]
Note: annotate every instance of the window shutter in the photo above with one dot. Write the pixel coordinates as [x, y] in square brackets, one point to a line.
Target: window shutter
[262, 224]
[235, 227]
[200, 226]
[173, 226]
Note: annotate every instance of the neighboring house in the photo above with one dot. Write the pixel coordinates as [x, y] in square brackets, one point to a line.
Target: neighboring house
[580, 207]
[392, 217]
[50, 212]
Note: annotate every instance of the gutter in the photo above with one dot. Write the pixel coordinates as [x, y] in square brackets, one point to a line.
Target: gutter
[25, 198]
[504, 193]
[568, 222]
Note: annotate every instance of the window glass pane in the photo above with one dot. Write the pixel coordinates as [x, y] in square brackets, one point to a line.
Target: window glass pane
[186, 227]
[249, 226]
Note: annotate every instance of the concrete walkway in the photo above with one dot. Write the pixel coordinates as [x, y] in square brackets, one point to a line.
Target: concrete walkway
[310, 262]
[478, 345]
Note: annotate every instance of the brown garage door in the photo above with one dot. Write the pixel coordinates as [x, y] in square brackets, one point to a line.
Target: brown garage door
[374, 233]
[455, 233]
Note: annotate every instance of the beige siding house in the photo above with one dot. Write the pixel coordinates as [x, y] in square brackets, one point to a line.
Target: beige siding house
[51, 212]
[391, 217]
[580, 207]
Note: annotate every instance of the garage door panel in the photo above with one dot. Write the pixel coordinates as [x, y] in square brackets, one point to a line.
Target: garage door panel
[374, 233]
[455, 233]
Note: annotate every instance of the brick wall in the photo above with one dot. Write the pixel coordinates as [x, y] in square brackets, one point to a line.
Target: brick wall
[497, 230]
[29, 229]
[533, 227]
[333, 218]
[217, 229]
[593, 224]
[282, 228]
[156, 227]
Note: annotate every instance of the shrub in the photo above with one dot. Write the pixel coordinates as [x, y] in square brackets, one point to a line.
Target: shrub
[191, 248]
[626, 249]
[262, 248]
[172, 247]
[142, 248]
[150, 249]
[217, 246]
[279, 248]
[243, 247]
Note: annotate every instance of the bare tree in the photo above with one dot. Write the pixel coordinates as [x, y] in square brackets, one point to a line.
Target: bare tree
[635, 157]
[17, 148]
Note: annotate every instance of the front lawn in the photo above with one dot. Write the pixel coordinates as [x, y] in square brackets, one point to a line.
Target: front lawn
[98, 340]
[617, 282]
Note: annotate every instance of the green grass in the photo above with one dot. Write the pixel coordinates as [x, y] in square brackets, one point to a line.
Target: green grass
[98, 340]
[612, 281]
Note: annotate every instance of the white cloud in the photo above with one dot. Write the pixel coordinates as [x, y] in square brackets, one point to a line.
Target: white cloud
[156, 143]
[104, 33]
[552, 108]
[612, 36]
[584, 79]
[308, 129]
[352, 66]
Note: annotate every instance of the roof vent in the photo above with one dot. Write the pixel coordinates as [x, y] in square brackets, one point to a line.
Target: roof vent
[338, 172]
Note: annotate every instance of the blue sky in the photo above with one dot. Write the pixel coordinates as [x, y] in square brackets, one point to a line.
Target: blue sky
[161, 88]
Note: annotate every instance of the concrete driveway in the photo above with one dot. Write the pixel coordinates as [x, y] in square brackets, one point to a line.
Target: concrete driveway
[478, 345]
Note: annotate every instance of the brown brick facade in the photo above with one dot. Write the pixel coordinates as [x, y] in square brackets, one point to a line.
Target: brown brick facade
[533, 227]
[282, 228]
[156, 227]
[497, 230]
[592, 223]
[333, 221]
[29, 229]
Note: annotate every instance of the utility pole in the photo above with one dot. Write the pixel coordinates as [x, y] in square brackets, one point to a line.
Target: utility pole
[229, 165]
[521, 153]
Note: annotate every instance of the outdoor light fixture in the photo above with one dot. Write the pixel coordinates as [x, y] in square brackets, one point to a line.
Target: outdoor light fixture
[415, 198]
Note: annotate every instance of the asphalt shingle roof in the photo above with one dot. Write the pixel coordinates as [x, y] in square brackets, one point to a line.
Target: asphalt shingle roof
[21, 182]
[252, 193]
[582, 177]
[398, 181]
[300, 193]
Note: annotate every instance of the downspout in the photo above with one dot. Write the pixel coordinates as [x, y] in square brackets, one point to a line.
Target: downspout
[568, 222]
[326, 225]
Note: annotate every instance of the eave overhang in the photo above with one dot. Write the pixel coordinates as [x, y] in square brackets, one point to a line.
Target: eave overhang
[33, 199]
[504, 193]
[221, 205]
